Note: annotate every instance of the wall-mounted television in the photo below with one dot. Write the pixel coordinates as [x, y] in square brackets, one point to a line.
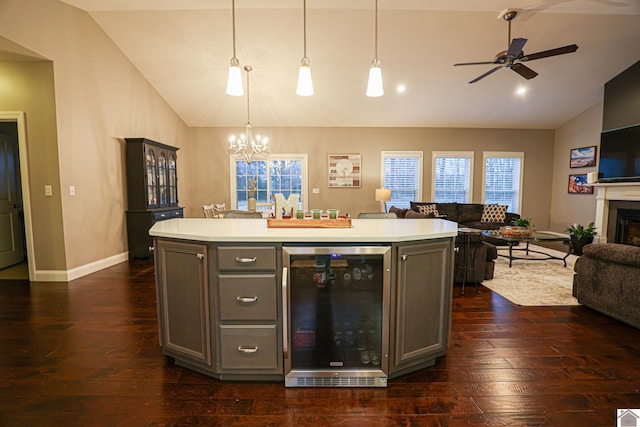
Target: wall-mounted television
[620, 155]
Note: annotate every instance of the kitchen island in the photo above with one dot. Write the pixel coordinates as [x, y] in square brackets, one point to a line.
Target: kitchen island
[235, 298]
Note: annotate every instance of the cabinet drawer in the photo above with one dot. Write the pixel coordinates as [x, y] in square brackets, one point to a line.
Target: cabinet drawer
[249, 347]
[247, 258]
[244, 297]
[160, 216]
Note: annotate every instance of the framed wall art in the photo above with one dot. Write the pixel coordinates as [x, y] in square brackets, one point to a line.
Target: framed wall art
[583, 157]
[345, 170]
[578, 184]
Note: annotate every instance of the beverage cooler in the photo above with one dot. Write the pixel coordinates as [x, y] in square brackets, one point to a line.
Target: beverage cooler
[336, 315]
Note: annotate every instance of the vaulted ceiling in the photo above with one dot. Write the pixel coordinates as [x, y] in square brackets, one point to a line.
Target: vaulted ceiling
[183, 48]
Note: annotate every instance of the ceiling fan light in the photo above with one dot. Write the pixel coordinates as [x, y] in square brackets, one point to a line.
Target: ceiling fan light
[374, 87]
[234, 81]
[305, 84]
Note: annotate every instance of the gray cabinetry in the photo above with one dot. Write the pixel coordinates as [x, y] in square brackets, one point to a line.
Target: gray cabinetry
[184, 316]
[248, 307]
[420, 305]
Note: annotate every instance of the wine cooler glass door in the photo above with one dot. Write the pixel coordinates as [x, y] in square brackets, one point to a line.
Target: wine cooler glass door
[337, 316]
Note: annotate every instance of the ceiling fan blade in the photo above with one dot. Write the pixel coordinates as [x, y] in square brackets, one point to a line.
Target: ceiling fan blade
[474, 63]
[524, 71]
[493, 70]
[552, 52]
[516, 47]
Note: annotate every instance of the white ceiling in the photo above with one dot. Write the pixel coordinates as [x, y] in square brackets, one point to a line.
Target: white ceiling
[183, 48]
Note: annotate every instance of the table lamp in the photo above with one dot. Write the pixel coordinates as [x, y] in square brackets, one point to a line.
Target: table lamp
[383, 195]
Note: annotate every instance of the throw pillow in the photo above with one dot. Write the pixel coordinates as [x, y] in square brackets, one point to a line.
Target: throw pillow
[430, 210]
[400, 213]
[494, 213]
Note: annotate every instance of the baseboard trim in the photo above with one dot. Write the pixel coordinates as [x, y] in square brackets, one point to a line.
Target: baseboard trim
[81, 271]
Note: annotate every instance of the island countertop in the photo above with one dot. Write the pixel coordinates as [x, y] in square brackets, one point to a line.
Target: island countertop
[256, 230]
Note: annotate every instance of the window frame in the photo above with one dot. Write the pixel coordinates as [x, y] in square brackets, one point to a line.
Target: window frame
[451, 154]
[509, 155]
[419, 155]
[303, 158]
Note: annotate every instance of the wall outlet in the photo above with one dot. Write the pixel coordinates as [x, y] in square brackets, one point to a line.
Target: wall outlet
[315, 190]
[72, 190]
[48, 191]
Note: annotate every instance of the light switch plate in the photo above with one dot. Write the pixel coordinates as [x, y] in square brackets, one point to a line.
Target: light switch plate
[48, 191]
[72, 190]
[315, 190]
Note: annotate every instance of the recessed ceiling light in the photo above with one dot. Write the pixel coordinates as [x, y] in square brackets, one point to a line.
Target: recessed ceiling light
[401, 88]
[521, 90]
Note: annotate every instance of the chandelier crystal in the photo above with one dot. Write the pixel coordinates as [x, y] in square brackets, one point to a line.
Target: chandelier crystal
[246, 146]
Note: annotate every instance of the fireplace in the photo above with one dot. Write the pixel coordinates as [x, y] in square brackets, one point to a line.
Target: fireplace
[612, 200]
[628, 227]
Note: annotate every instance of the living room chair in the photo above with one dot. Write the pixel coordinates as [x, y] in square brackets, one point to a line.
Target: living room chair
[374, 215]
[208, 211]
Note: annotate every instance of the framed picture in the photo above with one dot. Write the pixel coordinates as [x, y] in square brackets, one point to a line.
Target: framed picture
[344, 170]
[578, 184]
[583, 157]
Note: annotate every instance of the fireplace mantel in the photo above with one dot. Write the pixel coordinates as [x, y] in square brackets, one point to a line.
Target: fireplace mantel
[605, 192]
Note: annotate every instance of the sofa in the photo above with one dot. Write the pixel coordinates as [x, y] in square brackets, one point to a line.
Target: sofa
[607, 279]
[482, 249]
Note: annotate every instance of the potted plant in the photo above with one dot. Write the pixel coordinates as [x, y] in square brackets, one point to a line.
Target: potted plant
[581, 236]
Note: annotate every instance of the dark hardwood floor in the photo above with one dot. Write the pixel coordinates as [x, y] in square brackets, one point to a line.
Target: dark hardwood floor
[86, 353]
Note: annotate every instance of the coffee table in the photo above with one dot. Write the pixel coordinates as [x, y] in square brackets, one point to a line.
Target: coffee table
[536, 236]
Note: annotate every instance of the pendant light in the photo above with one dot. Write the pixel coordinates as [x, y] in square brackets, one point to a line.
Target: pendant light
[234, 80]
[374, 87]
[305, 85]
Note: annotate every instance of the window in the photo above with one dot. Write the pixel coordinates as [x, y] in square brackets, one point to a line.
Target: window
[452, 176]
[502, 179]
[280, 173]
[402, 174]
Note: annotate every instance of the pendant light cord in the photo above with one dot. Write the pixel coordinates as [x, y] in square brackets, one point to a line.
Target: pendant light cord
[304, 15]
[234, 60]
[248, 69]
[376, 30]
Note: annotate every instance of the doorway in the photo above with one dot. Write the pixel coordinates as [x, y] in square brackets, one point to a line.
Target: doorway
[16, 242]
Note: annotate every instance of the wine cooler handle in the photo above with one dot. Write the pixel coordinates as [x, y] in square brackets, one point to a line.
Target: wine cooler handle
[285, 314]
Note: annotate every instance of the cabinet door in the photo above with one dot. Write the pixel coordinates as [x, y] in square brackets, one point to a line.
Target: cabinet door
[422, 305]
[183, 301]
[173, 179]
[163, 178]
[151, 172]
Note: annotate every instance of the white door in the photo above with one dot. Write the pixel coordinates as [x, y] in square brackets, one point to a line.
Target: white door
[11, 243]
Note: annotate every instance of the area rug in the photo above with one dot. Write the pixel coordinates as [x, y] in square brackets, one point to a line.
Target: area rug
[534, 282]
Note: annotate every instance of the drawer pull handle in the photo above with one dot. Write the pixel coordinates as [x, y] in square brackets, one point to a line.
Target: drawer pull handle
[246, 299]
[248, 349]
[245, 260]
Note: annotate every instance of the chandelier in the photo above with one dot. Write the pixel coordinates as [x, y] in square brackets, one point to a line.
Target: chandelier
[246, 146]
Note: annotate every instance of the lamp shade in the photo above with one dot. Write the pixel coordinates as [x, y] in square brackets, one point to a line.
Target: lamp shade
[374, 88]
[383, 194]
[305, 85]
[234, 81]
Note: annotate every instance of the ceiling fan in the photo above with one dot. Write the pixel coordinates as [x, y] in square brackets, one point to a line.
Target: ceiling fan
[514, 56]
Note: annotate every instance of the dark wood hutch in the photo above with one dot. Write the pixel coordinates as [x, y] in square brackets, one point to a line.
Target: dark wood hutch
[152, 191]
